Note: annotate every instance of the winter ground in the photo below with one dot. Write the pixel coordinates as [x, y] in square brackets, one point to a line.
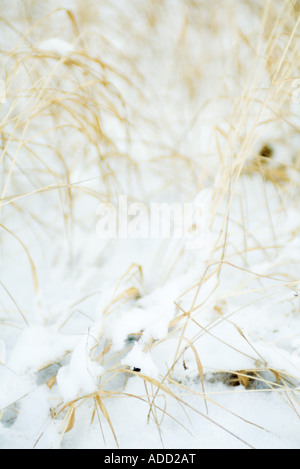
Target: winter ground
[146, 343]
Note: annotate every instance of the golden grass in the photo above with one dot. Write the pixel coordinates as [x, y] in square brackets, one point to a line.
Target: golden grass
[94, 108]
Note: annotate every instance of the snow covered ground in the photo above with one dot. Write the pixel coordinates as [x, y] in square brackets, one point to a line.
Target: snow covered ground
[146, 343]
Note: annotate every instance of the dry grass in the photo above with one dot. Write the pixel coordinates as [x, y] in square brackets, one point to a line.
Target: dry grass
[86, 126]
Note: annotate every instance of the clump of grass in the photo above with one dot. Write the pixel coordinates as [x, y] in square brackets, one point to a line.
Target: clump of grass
[83, 126]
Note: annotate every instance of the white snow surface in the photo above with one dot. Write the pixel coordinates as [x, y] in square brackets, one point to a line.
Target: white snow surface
[57, 45]
[130, 320]
[2, 352]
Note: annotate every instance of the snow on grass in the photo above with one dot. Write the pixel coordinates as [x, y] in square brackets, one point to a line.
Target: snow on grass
[145, 343]
[80, 376]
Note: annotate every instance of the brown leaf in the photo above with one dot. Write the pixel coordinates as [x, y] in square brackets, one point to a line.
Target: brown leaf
[128, 294]
[71, 419]
[51, 382]
[106, 415]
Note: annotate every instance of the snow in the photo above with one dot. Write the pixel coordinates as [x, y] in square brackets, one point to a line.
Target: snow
[37, 347]
[2, 352]
[141, 361]
[57, 45]
[80, 377]
[155, 329]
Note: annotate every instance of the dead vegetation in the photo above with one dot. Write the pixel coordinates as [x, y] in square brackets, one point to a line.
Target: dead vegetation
[78, 127]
